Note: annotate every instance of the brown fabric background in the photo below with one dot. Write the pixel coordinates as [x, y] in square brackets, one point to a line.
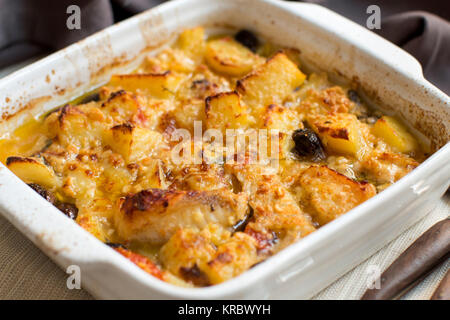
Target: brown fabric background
[420, 27]
[30, 27]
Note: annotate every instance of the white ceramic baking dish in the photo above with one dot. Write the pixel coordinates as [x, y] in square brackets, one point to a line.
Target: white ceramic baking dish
[390, 76]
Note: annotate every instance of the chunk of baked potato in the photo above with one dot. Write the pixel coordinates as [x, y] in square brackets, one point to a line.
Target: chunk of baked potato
[192, 42]
[271, 82]
[192, 256]
[395, 134]
[157, 85]
[281, 118]
[134, 143]
[116, 179]
[122, 106]
[224, 111]
[329, 100]
[339, 133]
[80, 182]
[185, 251]
[76, 126]
[232, 258]
[193, 110]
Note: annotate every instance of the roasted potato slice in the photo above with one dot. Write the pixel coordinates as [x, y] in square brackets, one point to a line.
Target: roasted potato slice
[33, 170]
[229, 57]
[192, 42]
[395, 134]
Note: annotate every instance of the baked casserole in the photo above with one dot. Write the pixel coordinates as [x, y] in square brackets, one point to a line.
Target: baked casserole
[213, 155]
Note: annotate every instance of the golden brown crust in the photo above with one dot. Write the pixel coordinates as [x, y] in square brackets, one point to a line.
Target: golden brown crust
[332, 100]
[387, 167]
[154, 215]
[274, 208]
[124, 128]
[216, 96]
[12, 160]
[185, 251]
[328, 194]
[338, 133]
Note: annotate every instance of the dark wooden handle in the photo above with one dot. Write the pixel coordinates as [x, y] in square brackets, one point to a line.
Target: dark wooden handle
[443, 290]
[426, 252]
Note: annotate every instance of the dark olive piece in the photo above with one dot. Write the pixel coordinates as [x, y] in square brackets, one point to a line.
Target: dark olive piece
[354, 96]
[195, 275]
[248, 39]
[89, 98]
[307, 144]
[44, 193]
[68, 209]
[241, 224]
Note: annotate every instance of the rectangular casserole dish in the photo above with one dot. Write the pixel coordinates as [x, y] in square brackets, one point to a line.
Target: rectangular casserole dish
[388, 75]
